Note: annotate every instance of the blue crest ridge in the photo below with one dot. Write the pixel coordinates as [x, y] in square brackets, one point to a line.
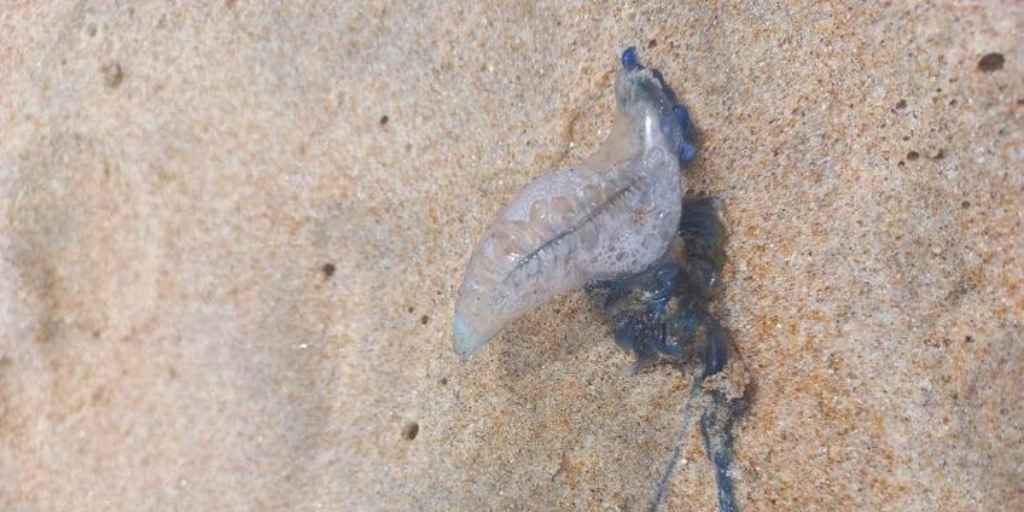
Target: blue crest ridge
[683, 127]
[629, 59]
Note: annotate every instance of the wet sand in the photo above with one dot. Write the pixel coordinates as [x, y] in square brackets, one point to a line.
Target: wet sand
[230, 239]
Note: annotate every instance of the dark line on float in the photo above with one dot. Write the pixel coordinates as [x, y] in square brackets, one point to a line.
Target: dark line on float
[586, 220]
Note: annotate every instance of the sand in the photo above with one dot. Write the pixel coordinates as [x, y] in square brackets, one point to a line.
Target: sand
[230, 238]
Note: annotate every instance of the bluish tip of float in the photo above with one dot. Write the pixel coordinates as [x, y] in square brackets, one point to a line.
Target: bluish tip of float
[465, 341]
[629, 59]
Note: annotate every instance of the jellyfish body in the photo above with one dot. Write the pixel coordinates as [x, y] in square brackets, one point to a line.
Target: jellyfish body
[615, 213]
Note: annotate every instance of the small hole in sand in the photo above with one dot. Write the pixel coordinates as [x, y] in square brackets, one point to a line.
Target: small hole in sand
[991, 62]
[328, 270]
[410, 431]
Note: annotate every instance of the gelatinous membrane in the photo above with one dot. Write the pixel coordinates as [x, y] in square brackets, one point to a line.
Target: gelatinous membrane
[613, 214]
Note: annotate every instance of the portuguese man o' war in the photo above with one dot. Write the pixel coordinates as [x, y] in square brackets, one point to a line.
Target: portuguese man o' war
[663, 315]
[613, 214]
[618, 226]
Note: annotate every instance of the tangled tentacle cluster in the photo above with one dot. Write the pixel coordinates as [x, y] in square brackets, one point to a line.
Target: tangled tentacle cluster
[662, 313]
